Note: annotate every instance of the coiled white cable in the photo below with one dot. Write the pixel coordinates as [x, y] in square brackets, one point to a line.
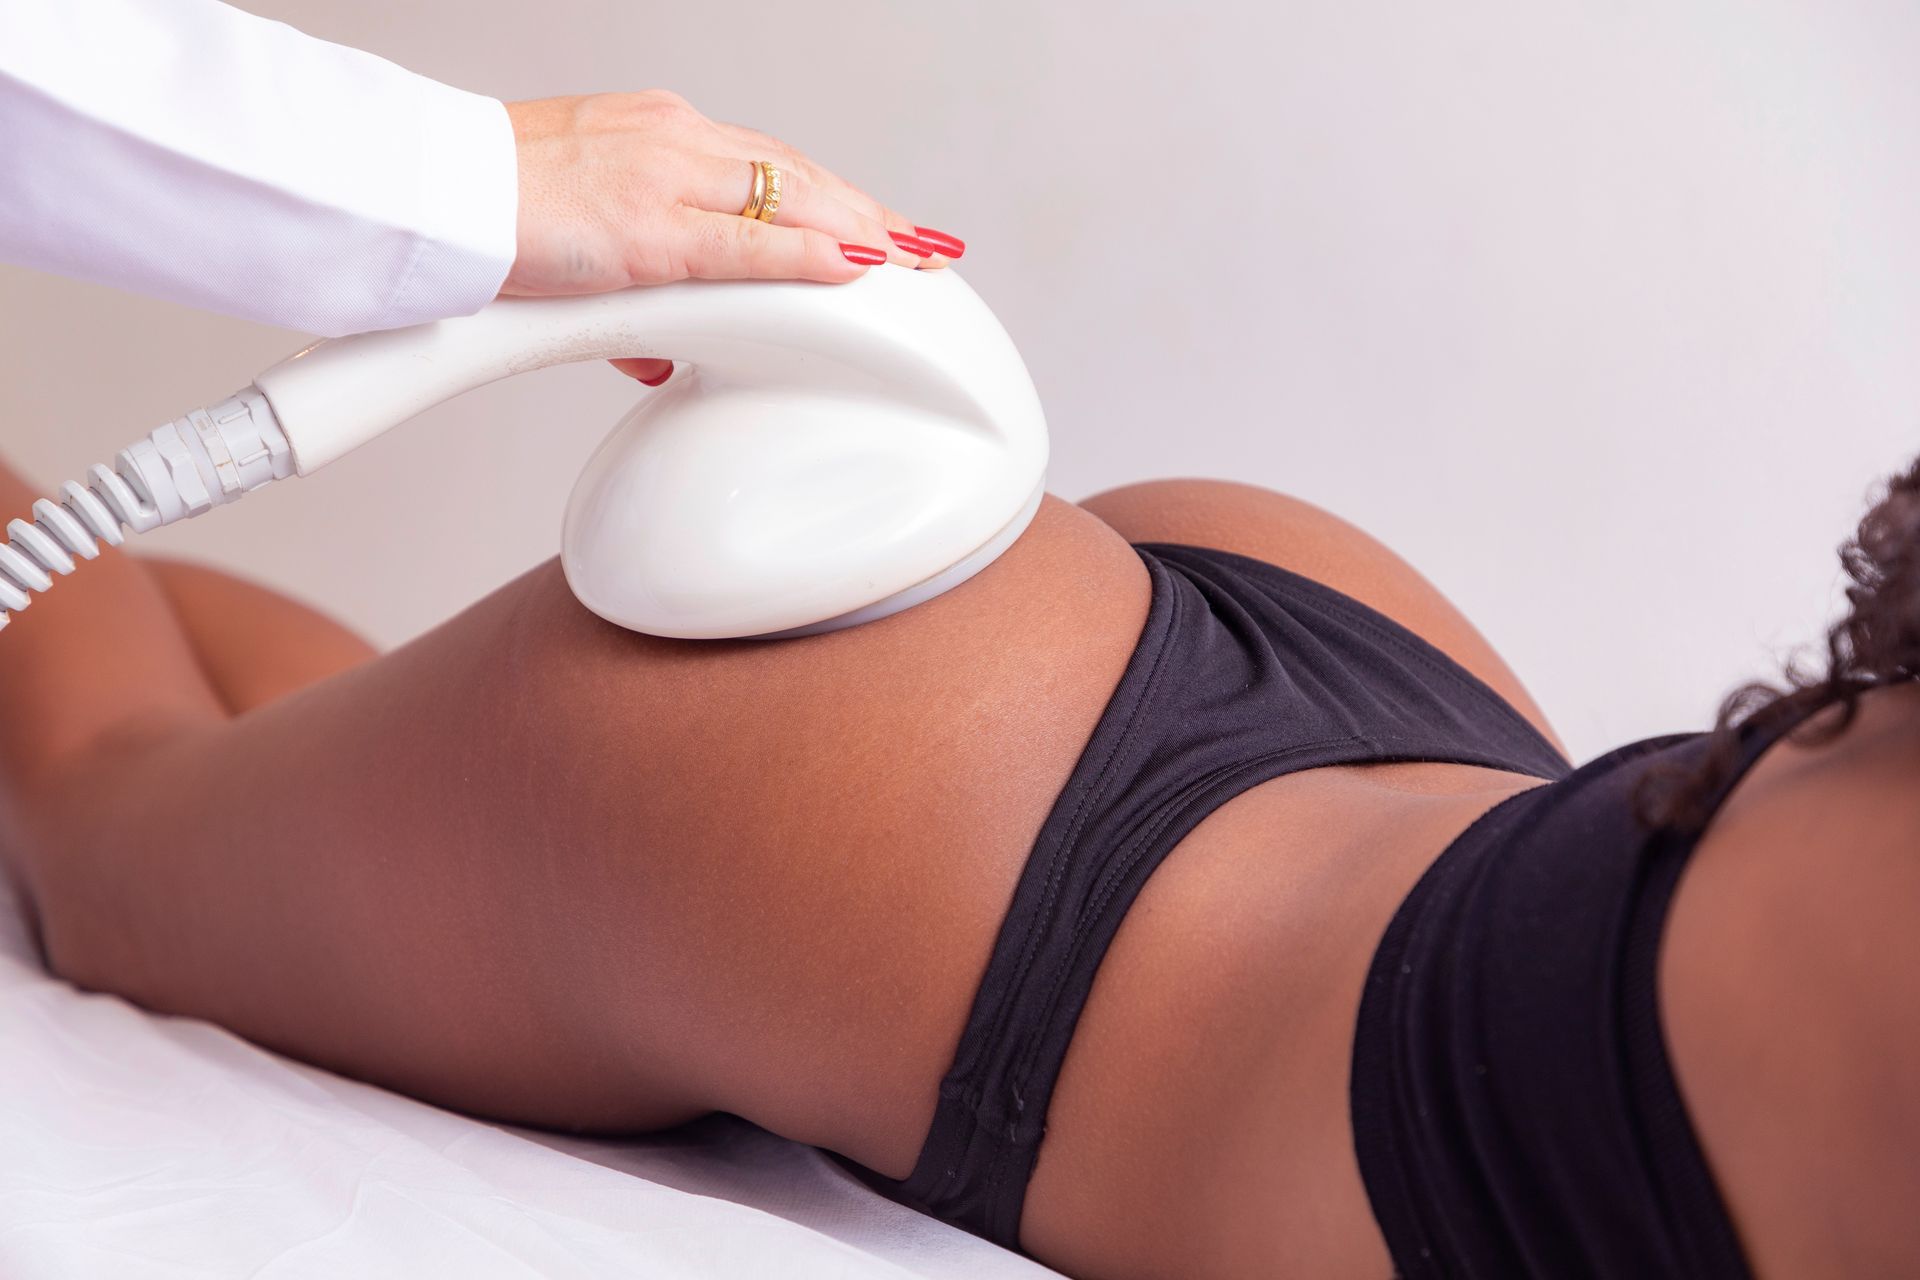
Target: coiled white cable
[205, 459]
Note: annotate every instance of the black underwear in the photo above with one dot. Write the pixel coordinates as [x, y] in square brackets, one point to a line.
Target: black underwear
[1243, 672]
[1514, 1110]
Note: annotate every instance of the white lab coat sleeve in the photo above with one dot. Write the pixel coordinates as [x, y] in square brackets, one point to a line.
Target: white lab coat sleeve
[188, 150]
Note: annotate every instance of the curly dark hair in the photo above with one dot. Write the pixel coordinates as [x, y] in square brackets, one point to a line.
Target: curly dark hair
[1876, 644]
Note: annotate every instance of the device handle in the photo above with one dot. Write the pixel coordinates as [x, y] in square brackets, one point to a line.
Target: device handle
[920, 337]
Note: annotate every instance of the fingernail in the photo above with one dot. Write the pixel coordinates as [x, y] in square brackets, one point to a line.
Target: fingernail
[654, 382]
[914, 245]
[861, 254]
[943, 244]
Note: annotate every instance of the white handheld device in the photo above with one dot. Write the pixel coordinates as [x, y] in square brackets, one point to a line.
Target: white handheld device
[834, 454]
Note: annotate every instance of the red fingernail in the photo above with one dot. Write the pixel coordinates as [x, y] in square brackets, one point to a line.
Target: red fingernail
[914, 245]
[861, 254]
[943, 244]
[654, 382]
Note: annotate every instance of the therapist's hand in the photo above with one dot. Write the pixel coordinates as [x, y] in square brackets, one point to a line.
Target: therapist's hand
[625, 189]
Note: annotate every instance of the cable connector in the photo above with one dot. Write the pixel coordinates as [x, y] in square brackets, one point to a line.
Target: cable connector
[205, 459]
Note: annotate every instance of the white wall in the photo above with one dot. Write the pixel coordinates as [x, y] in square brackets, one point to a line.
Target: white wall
[1605, 316]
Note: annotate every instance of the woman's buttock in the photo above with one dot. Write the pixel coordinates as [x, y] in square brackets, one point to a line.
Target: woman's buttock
[787, 861]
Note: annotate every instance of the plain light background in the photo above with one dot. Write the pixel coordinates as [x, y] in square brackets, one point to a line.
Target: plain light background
[1606, 317]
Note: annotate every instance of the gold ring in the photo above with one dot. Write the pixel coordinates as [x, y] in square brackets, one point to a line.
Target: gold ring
[765, 200]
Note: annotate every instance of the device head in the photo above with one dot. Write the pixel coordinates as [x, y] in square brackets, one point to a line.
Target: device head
[833, 453]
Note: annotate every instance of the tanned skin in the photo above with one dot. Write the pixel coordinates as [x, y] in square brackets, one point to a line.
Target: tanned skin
[537, 868]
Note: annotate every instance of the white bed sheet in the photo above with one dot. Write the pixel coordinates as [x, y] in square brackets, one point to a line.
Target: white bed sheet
[140, 1146]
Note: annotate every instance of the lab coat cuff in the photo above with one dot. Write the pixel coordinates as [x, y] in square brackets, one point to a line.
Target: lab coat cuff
[469, 201]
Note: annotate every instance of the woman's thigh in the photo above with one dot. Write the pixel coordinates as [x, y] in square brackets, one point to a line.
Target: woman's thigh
[253, 644]
[539, 867]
